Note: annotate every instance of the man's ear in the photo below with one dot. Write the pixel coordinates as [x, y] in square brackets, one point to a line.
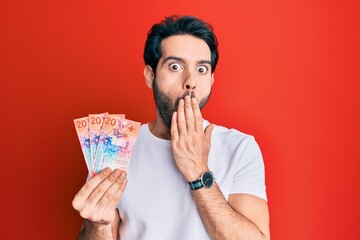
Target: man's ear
[212, 79]
[149, 76]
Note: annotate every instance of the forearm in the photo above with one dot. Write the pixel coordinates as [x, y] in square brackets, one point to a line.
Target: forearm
[222, 221]
[91, 231]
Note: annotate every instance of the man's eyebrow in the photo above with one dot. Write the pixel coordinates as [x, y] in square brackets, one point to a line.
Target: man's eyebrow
[204, 62]
[173, 58]
[182, 60]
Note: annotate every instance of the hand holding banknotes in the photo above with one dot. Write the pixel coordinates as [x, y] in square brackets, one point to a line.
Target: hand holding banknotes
[107, 142]
[98, 198]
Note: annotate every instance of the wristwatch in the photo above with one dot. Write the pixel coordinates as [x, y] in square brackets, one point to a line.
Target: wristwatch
[207, 179]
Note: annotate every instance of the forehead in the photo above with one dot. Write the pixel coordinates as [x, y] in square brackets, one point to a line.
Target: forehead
[187, 47]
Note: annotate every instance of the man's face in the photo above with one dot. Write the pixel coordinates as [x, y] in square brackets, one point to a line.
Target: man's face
[183, 69]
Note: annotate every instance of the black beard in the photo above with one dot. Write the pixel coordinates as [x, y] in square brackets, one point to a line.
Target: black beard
[166, 108]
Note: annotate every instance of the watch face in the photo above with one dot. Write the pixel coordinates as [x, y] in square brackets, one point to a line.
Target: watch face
[207, 179]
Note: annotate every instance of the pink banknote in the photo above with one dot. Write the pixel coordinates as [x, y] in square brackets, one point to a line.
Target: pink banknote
[117, 140]
[96, 122]
[82, 130]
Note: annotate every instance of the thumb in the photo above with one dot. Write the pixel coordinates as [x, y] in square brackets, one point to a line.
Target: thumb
[208, 131]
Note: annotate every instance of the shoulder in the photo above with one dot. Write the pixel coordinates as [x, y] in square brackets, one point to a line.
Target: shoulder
[225, 132]
[237, 162]
[231, 137]
[235, 143]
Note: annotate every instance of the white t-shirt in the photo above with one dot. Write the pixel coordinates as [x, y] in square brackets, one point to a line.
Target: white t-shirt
[157, 203]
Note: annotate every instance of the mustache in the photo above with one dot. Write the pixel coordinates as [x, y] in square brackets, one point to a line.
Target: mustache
[187, 93]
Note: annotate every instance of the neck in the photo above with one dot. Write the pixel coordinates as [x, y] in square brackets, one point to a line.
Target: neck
[159, 128]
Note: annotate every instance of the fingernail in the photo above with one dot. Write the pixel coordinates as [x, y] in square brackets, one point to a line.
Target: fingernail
[107, 171]
[117, 173]
[123, 174]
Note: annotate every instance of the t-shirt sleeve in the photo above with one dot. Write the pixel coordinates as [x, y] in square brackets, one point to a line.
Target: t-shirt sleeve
[249, 177]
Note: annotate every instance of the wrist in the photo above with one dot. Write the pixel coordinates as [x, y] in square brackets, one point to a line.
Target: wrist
[195, 174]
[206, 180]
[93, 230]
[96, 226]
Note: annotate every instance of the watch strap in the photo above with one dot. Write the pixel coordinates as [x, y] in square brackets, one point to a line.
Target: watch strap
[195, 185]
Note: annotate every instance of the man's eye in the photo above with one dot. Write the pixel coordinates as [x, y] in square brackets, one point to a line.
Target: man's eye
[202, 69]
[175, 66]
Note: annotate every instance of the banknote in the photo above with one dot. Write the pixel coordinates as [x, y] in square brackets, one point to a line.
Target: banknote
[82, 130]
[126, 141]
[117, 139]
[95, 124]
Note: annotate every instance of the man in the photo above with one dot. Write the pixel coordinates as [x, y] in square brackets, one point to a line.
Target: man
[184, 182]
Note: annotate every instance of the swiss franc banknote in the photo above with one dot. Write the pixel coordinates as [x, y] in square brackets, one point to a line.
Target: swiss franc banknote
[82, 130]
[123, 138]
[96, 122]
[108, 141]
[116, 143]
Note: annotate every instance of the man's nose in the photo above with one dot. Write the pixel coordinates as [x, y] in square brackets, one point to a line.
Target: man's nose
[189, 81]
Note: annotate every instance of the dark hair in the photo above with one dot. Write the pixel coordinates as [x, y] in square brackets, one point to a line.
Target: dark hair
[175, 25]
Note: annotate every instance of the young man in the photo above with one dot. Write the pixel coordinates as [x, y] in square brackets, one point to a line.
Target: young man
[187, 178]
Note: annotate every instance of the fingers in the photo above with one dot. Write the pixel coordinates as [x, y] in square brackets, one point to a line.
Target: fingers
[113, 194]
[181, 123]
[208, 131]
[118, 194]
[97, 202]
[197, 115]
[103, 187]
[189, 114]
[174, 128]
[88, 188]
[98, 186]
[207, 140]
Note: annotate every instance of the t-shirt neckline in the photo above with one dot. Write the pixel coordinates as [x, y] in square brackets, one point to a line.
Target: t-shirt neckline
[156, 139]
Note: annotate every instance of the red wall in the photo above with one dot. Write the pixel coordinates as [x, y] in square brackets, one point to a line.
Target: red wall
[289, 74]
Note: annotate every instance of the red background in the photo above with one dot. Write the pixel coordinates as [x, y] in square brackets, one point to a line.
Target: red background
[288, 74]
